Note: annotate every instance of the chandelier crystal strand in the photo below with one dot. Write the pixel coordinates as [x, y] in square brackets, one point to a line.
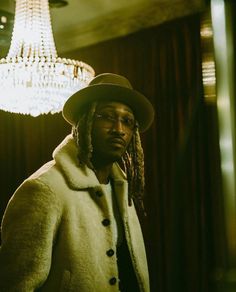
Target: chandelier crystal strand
[33, 79]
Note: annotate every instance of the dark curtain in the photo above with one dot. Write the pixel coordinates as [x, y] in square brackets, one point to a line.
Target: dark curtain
[26, 143]
[181, 150]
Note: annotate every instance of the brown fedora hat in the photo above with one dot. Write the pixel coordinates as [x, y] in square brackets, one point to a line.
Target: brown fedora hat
[109, 87]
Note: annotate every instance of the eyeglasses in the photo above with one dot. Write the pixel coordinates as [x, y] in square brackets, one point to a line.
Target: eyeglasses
[108, 120]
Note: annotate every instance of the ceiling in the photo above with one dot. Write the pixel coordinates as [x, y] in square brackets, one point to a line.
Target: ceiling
[82, 22]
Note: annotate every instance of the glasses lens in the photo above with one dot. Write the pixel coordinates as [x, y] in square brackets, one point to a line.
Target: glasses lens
[108, 120]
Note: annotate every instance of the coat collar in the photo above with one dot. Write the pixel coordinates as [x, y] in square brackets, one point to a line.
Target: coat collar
[66, 157]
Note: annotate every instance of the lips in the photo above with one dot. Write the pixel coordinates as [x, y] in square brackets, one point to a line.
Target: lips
[117, 142]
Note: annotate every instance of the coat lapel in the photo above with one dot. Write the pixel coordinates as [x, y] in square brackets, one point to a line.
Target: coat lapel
[66, 157]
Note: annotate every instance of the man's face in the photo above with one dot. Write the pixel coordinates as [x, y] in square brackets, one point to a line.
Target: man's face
[112, 131]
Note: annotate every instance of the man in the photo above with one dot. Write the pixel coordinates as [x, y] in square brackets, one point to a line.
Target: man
[72, 225]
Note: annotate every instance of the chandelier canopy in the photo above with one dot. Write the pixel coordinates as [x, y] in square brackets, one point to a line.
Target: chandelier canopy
[33, 79]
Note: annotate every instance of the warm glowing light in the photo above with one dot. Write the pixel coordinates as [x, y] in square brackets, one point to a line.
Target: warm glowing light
[33, 79]
[208, 72]
[206, 31]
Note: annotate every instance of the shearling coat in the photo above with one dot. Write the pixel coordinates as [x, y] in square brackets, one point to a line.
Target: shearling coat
[53, 238]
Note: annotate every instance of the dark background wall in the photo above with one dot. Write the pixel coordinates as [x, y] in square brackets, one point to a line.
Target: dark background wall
[183, 191]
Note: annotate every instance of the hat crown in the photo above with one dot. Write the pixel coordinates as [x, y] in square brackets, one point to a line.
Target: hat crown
[107, 87]
[110, 78]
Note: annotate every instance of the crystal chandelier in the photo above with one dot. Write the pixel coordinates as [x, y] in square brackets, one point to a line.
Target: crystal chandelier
[33, 79]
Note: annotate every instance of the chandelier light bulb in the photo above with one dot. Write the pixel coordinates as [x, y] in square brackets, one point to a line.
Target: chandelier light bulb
[33, 79]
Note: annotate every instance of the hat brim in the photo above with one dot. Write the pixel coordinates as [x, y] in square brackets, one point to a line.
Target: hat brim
[78, 102]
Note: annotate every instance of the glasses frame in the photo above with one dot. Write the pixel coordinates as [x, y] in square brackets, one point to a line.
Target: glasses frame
[111, 119]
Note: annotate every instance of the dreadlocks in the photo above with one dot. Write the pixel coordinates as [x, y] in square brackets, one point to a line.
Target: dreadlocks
[82, 135]
[132, 161]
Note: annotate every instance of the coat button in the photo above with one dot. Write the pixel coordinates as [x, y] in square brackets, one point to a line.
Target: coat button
[98, 193]
[110, 252]
[112, 281]
[106, 222]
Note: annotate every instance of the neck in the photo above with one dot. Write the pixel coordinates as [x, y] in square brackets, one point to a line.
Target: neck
[102, 171]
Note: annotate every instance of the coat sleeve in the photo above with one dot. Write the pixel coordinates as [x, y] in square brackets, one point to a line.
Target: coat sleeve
[28, 232]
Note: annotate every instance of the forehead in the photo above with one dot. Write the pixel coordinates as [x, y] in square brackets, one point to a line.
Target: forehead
[114, 105]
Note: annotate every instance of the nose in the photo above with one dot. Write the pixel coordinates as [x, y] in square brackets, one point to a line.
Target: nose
[118, 127]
